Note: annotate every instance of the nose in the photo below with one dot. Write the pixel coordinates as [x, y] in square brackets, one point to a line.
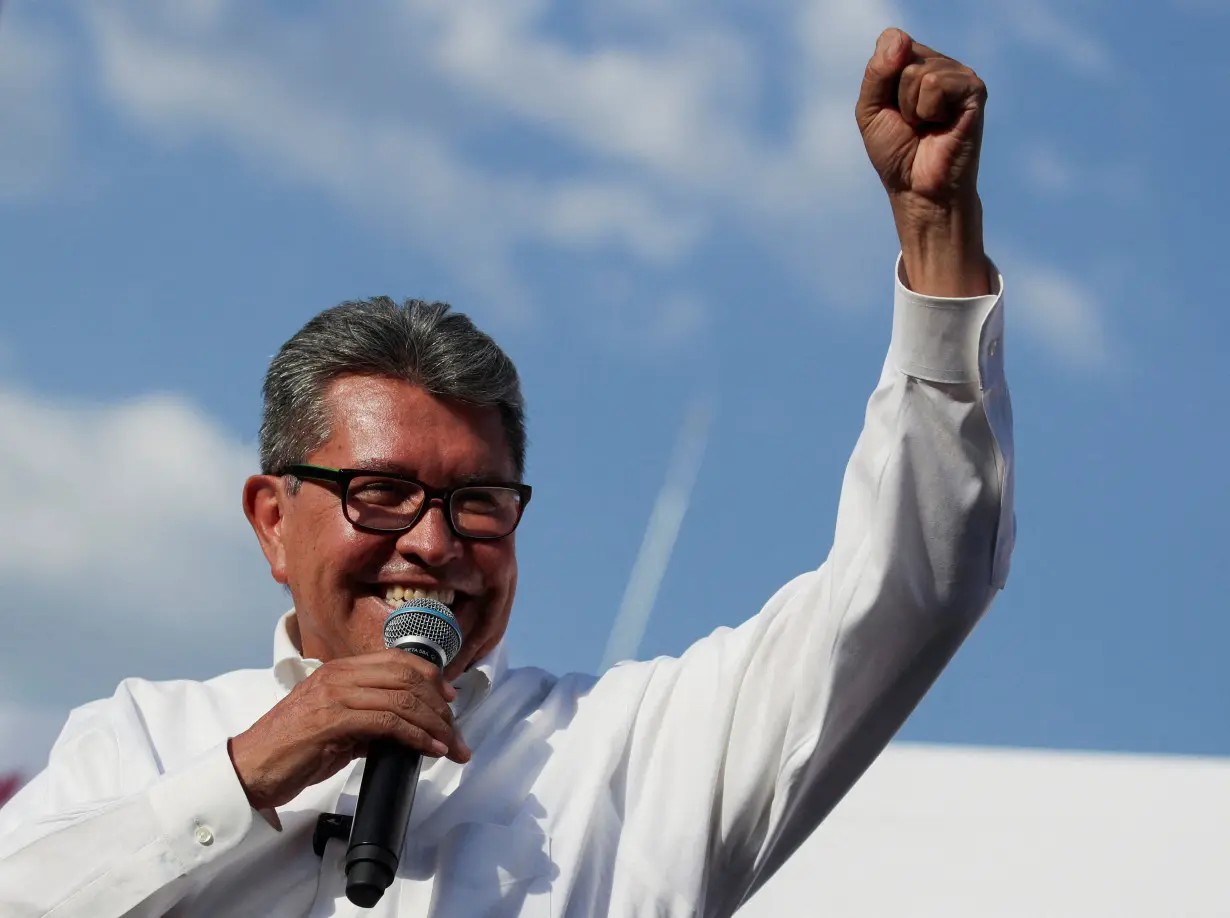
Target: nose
[431, 539]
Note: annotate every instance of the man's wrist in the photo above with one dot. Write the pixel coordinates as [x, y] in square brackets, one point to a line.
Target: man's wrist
[255, 799]
[942, 249]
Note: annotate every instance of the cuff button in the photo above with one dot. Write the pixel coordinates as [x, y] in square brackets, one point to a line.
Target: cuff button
[204, 836]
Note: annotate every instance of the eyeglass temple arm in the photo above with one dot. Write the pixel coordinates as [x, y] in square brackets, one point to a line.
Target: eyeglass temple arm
[303, 470]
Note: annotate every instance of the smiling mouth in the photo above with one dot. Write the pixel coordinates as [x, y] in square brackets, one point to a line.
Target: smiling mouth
[396, 595]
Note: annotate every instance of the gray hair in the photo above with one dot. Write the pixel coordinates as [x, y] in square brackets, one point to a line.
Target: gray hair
[425, 344]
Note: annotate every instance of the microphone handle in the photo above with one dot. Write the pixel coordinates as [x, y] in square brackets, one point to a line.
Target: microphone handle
[390, 778]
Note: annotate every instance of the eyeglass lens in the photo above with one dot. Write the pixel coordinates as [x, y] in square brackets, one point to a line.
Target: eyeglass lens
[387, 503]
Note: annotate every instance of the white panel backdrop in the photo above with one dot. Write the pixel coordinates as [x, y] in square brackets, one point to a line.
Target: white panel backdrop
[954, 832]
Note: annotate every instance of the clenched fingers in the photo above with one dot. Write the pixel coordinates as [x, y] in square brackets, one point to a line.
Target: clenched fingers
[389, 669]
[938, 91]
[433, 720]
[879, 89]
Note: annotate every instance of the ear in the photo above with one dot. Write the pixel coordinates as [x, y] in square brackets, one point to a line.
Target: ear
[264, 500]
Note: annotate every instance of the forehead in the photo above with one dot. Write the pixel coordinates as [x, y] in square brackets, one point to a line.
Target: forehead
[376, 419]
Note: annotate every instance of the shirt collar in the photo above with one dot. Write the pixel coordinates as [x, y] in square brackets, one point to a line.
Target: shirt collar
[290, 668]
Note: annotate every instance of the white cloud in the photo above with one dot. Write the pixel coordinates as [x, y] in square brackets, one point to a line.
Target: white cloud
[1038, 24]
[670, 110]
[33, 132]
[124, 549]
[101, 488]
[1119, 183]
[585, 211]
[393, 111]
[1057, 310]
[1047, 170]
[475, 128]
[266, 98]
[632, 318]
[680, 317]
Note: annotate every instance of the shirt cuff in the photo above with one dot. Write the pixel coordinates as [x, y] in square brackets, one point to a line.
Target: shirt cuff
[949, 339]
[201, 809]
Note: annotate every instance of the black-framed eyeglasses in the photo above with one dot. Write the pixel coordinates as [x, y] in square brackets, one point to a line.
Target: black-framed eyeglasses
[387, 502]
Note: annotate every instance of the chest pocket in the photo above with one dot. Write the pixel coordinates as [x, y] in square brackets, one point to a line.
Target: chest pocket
[493, 871]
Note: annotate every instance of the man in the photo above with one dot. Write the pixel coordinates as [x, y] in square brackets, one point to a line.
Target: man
[392, 450]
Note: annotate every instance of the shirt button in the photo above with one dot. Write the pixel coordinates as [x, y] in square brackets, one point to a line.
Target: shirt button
[204, 836]
[993, 346]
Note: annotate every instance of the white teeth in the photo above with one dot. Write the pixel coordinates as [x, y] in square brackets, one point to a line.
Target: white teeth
[396, 594]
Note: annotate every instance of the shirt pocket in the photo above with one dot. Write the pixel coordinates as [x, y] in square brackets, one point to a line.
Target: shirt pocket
[493, 871]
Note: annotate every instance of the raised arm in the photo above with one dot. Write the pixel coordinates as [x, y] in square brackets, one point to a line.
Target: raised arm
[756, 733]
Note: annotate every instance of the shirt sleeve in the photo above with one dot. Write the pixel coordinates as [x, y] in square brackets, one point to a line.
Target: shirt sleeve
[757, 732]
[103, 833]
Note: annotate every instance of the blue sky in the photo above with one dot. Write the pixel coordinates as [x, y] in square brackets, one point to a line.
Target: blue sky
[646, 204]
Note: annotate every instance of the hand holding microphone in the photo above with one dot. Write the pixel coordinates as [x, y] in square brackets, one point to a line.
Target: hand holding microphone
[336, 713]
[390, 708]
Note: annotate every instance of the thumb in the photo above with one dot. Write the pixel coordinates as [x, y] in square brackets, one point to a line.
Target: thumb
[879, 90]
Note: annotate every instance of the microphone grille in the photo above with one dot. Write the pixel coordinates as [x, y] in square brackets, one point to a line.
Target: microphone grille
[428, 620]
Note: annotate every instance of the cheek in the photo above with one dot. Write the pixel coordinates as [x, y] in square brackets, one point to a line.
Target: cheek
[327, 554]
[498, 563]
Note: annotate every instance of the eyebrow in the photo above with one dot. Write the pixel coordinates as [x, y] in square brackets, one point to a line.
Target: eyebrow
[395, 468]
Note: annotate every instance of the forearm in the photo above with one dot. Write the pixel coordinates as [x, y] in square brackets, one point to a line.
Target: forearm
[942, 248]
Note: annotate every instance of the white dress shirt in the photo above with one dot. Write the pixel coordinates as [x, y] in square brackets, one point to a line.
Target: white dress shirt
[672, 787]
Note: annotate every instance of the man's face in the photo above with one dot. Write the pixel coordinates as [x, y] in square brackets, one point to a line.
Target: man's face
[340, 578]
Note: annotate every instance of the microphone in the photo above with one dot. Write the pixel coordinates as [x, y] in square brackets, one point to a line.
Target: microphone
[427, 629]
